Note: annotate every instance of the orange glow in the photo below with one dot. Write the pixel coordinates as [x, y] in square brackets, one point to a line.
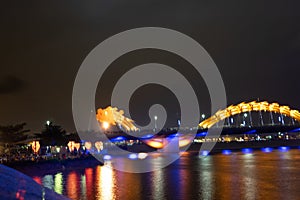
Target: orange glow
[35, 146]
[88, 145]
[72, 186]
[71, 146]
[99, 145]
[105, 125]
[155, 143]
[160, 143]
[89, 181]
[37, 179]
[113, 116]
[184, 141]
[77, 146]
[248, 107]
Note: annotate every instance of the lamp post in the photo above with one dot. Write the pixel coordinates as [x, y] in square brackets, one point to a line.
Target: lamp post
[245, 118]
[155, 125]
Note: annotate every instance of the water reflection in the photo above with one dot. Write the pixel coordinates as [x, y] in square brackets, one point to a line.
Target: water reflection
[72, 185]
[206, 177]
[158, 185]
[105, 183]
[58, 183]
[240, 175]
[249, 177]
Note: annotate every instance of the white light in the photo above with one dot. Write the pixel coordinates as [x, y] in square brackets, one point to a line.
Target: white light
[48, 122]
[105, 125]
[245, 114]
[155, 117]
[142, 155]
[107, 157]
[133, 156]
[203, 116]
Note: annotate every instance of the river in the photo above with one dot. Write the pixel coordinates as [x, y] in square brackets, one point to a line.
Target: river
[267, 174]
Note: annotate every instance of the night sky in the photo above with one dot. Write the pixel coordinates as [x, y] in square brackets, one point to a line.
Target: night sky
[256, 47]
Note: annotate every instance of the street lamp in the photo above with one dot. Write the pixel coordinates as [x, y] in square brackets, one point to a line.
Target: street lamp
[203, 116]
[48, 122]
[155, 118]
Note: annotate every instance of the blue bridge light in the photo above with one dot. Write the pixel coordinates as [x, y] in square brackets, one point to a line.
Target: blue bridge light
[201, 134]
[226, 152]
[247, 151]
[250, 132]
[283, 149]
[204, 153]
[147, 136]
[267, 149]
[118, 139]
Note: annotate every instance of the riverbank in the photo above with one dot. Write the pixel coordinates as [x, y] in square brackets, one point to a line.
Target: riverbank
[236, 146]
[56, 164]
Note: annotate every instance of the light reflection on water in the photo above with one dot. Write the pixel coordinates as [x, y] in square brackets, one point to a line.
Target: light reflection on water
[259, 175]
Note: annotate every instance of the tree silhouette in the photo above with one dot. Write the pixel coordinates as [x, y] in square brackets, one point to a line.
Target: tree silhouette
[53, 135]
[13, 133]
[73, 137]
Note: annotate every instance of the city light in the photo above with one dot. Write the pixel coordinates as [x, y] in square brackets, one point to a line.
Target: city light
[71, 145]
[35, 146]
[142, 155]
[88, 145]
[107, 157]
[133, 156]
[99, 145]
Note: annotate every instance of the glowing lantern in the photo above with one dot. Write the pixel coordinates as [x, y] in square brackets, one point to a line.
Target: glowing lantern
[71, 146]
[99, 145]
[35, 146]
[88, 145]
[77, 146]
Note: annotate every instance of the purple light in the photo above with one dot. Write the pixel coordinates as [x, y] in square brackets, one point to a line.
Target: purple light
[226, 152]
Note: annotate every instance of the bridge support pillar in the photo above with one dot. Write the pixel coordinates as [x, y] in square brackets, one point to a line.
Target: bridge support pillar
[171, 145]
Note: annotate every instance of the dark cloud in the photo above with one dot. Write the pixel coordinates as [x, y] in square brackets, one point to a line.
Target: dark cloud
[11, 84]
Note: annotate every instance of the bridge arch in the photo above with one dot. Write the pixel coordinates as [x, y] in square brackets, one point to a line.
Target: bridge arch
[244, 107]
